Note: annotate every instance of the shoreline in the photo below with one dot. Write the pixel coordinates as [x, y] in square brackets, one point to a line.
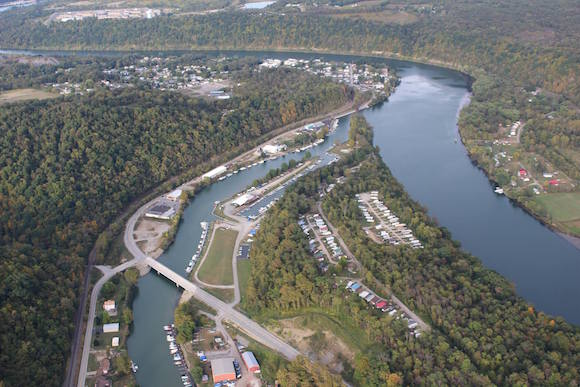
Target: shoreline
[464, 70]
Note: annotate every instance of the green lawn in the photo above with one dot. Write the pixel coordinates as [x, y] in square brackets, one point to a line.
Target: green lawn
[226, 295]
[562, 207]
[217, 267]
[244, 268]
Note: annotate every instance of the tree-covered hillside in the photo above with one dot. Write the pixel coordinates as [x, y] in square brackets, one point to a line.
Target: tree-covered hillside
[68, 166]
[482, 332]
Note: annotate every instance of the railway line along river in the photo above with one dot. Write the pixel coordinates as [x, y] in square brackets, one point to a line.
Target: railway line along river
[416, 132]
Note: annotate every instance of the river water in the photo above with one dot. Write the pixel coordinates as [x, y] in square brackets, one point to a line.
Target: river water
[416, 132]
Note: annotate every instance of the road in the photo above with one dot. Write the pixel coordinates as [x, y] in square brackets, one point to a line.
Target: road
[225, 311]
[139, 256]
[108, 273]
[424, 326]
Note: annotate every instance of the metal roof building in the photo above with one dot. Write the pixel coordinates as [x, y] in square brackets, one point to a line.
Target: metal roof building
[223, 369]
[251, 362]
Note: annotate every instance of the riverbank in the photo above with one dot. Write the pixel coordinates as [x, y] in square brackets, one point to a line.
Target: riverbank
[467, 71]
[573, 239]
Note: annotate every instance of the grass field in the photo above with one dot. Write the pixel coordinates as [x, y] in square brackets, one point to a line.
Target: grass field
[24, 94]
[563, 207]
[244, 268]
[217, 267]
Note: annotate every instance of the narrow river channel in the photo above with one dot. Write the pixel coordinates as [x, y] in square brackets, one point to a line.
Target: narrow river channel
[416, 132]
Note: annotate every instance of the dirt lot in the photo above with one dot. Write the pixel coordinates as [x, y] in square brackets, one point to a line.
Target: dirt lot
[148, 234]
[332, 350]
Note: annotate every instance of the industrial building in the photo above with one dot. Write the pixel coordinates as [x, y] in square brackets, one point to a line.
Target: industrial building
[215, 172]
[161, 211]
[223, 369]
[244, 199]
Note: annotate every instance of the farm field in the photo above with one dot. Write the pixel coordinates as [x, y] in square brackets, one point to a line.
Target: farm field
[217, 267]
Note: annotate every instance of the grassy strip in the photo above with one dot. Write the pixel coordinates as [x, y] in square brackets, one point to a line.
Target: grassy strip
[217, 267]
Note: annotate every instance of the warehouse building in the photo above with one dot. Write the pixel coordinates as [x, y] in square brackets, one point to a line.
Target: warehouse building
[223, 369]
[215, 172]
[161, 211]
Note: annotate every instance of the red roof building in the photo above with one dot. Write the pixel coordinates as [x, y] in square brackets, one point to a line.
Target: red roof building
[523, 172]
[381, 304]
[251, 362]
[554, 182]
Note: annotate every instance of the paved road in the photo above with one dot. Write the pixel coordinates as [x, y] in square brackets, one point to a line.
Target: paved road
[139, 257]
[242, 322]
[108, 273]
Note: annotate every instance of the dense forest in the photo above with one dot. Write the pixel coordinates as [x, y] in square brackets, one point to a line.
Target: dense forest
[516, 46]
[482, 332]
[70, 165]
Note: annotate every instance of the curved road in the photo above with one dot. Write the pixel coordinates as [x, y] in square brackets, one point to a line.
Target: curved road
[200, 294]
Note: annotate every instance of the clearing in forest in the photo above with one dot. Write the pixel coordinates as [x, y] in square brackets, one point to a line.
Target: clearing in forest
[17, 95]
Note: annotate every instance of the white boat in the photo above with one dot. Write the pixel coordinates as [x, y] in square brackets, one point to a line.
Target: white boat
[134, 367]
[242, 168]
[170, 338]
[498, 191]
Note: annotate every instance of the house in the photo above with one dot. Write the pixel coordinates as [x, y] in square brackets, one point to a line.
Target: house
[251, 362]
[115, 341]
[111, 328]
[554, 182]
[109, 305]
[223, 369]
[523, 173]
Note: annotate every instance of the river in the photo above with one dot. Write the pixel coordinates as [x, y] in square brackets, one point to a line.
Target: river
[416, 132]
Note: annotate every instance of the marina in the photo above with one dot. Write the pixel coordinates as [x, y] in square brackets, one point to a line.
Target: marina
[419, 120]
[200, 246]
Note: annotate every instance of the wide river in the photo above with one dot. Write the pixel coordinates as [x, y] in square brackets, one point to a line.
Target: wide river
[416, 132]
